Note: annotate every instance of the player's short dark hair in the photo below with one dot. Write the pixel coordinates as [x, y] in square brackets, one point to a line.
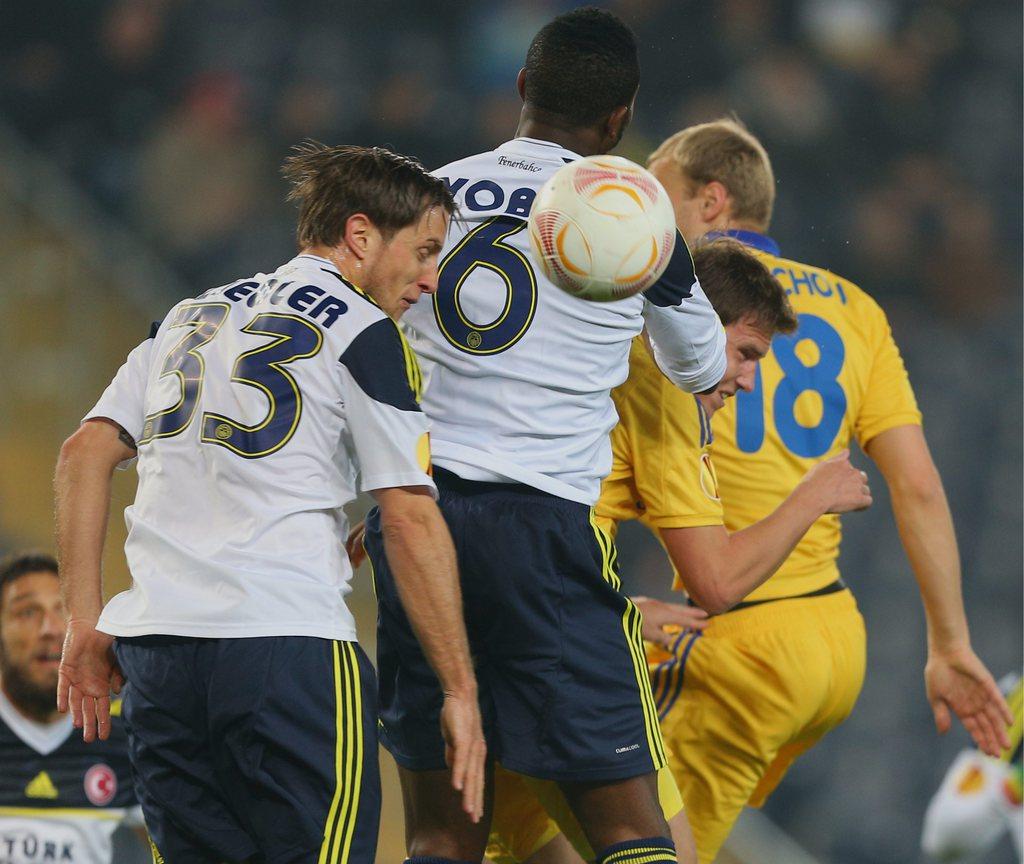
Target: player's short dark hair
[16, 566]
[582, 66]
[739, 286]
[331, 184]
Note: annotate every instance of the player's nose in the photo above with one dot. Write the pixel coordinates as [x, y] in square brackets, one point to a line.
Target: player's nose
[428, 282]
[745, 380]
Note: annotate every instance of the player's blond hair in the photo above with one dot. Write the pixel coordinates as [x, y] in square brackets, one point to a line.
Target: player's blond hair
[725, 151]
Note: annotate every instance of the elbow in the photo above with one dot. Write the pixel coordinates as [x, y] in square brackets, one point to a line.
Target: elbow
[709, 594]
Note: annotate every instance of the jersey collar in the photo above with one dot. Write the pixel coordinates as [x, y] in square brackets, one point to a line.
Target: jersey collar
[761, 242]
[538, 149]
[305, 257]
[44, 738]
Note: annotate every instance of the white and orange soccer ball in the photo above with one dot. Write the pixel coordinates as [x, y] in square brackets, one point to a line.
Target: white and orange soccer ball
[602, 228]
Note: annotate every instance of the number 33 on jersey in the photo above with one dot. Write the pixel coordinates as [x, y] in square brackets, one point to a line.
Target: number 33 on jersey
[260, 408]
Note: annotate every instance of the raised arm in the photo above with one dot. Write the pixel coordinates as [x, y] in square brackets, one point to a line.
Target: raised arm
[686, 335]
[720, 568]
[955, 679]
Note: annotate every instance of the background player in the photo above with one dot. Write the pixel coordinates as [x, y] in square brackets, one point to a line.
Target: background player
[60, 799]
[248, 449]
[519, 375]
[662, 474]
[838, 377]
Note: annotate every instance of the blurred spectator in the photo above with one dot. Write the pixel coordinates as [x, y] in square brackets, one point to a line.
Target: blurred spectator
[205, 151]
[60, 798]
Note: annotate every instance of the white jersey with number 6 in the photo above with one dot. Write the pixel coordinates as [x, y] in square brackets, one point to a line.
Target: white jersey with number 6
[260, 409]
[519, 372]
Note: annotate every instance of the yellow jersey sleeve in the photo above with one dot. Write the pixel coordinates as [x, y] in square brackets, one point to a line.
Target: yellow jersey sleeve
[888, 398]
[661, 471]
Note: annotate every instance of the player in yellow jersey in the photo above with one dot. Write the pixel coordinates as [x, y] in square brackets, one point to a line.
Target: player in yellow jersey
[662, 474]
[765, 682]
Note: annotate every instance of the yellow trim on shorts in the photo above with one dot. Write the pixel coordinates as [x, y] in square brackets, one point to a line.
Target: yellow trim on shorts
[631, 628]
[115, 814]
[348, 757]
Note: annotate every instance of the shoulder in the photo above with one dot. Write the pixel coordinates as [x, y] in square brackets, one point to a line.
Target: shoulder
[382, 363]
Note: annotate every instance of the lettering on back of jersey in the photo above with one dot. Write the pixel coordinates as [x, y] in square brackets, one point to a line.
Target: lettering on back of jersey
[487, 195]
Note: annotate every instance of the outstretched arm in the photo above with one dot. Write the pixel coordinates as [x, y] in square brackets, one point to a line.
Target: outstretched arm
[955, 679]
[88, 671]
[720, 568]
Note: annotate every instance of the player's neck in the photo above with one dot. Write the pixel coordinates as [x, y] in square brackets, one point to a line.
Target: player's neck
[345, 264]
[586, 142]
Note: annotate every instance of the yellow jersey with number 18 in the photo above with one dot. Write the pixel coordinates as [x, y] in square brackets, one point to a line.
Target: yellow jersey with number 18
[838, 378]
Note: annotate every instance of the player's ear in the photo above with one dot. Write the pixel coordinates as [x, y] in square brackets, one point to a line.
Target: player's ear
[358, 234]
[714, 200]
[615, 125]
[521, 83]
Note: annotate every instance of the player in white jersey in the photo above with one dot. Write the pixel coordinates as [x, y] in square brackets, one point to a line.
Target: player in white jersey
[518, 381]
[60, 798]
[257, 410]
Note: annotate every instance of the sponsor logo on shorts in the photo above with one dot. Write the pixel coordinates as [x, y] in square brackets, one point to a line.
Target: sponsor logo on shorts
[627, 749]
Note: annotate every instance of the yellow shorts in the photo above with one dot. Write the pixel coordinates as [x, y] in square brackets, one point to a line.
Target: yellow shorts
[739, 702]
[530, 813]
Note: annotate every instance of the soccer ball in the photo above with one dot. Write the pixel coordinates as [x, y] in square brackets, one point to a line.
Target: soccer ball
[602, 228]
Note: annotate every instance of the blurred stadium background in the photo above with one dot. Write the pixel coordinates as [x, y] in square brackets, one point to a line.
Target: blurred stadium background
[139, 148]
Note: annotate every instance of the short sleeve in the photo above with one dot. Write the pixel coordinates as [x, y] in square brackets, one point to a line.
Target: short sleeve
[888, 398]
[687, 337]
[387, 430]
[661, 471]
[674, 474]
[124, 399]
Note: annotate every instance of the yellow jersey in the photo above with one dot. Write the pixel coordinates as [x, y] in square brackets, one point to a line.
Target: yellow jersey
[838, 378]
[661, 465]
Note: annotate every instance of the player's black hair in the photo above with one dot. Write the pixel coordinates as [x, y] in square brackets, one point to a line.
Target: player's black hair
[16, 566]
[331, 184]
[582, 66]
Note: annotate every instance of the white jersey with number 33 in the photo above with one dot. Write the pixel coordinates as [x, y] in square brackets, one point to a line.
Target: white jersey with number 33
[519, 372]
[260, 409]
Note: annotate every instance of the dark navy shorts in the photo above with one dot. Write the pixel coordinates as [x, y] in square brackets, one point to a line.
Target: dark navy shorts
[559, 659]
[261, 748]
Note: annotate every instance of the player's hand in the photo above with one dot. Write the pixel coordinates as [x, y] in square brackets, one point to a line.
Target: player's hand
[88, 672]
[354, 544]
[956, 680]
[662, 622]
[465, 749]
[837, 485]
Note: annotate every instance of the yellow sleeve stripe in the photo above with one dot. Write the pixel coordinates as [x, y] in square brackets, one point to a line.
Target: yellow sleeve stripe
[348, 757]
[412, 366]
[631, 620]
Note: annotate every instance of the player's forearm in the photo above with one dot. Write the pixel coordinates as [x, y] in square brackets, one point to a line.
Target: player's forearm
[926, 529]
[422, 559]
[757, 551]
[82, 503]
